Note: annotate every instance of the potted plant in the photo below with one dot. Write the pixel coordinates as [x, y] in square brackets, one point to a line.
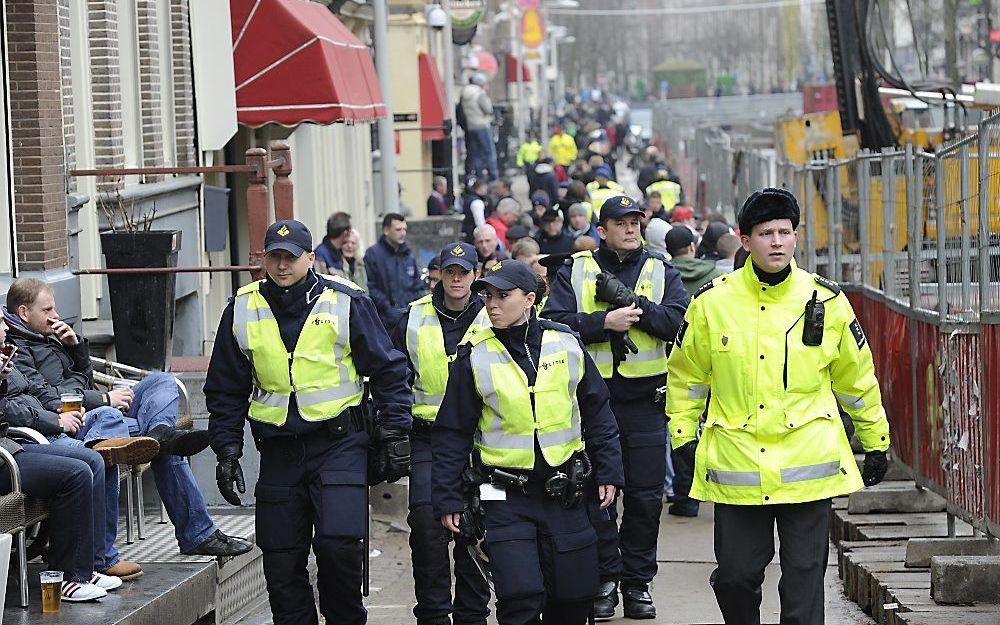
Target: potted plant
[142, 304]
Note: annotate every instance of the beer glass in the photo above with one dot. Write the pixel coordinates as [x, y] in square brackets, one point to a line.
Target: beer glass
[51, 591]
[71, 402]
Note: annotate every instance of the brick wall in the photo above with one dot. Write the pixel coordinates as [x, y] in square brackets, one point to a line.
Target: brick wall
[37, 133]
[66, 74]
[151, 120]
[184, 122]
[105, 88]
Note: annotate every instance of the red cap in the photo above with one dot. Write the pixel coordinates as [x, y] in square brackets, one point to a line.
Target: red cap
[681, 213]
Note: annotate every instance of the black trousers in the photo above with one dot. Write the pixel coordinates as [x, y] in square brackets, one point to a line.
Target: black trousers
[744, 545]
[313, 491]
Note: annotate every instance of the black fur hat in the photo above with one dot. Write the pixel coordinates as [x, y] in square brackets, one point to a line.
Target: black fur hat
[765, 205]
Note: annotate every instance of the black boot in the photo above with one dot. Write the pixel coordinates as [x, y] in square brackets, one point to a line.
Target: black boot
[638, 603]
[606, 601]
[174, 442]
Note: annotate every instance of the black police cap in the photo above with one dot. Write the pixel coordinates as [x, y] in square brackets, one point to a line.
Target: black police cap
[289, 235]
[506, 275]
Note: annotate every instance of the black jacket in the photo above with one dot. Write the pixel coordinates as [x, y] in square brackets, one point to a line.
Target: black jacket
[458, 418]
[30, 402]
[66, 368]
[562, 243]
[660, 319]
[393, 278]
[229, 383]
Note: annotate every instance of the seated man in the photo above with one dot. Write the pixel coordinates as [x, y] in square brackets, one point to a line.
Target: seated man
[71, 479]
[62, 361]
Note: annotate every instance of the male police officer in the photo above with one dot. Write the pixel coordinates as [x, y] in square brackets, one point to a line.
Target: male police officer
[429, 335]
[625, 297]
[777, 348]
[290, 354]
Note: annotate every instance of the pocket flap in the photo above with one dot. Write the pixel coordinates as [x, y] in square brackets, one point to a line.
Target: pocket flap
[515, 531]
[797, 420]
[277, 494]
[345, 477]
[646, 439]
[739, 423]
[574, 541]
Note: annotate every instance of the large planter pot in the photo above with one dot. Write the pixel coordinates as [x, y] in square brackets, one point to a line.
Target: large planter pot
[142, 305]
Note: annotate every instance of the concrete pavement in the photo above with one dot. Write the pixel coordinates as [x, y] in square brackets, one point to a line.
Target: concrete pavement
[680, 590]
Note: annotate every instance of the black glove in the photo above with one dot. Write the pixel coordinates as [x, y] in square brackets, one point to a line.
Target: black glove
[876, 464]
[229, 471]
[395, 452]
[613, 291]
[687, 452]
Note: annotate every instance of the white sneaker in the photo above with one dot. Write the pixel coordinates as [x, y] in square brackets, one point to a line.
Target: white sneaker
[74, 591]
[107, 582]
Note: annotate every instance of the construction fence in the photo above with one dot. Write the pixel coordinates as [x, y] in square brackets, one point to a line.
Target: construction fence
[914, 238]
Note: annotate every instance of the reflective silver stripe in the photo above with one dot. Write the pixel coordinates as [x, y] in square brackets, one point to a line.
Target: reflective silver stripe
[602, 356]
[699, 391]
[338, 306]
[243, 316]
[850, 401]
[579, 276]
[271, 400]
[417, 319]
[733, 478]
[657, 353]
[328, 394]
[420, 397]
[482, 359]
[574, 364]
[811, 472]
[658, 277]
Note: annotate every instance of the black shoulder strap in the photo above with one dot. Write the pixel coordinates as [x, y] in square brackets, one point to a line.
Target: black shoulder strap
[828, 283]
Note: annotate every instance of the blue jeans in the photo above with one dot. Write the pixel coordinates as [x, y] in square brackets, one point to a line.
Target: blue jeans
[482, 152]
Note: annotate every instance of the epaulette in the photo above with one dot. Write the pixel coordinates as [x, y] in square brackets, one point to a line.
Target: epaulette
[704, 287]
[658, 256]
[344, 286]
[828, 283]
[548, 324]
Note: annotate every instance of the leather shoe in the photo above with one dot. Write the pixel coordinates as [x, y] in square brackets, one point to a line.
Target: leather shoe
[638, 604]
[124, 570]
[685, 509]
[606, 601]
[174, 442]
[218, 544]
[127, 451]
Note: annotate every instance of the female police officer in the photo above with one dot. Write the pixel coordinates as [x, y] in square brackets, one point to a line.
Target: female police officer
[290, 354]
[531, 399]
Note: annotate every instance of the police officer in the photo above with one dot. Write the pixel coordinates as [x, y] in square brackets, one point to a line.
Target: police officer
[289, 355]
[525, 392]
[429, 334]
[778, 349]
[627, 303]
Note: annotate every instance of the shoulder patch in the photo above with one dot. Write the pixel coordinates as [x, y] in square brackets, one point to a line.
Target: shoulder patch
[345, 287]
[704, 287]
[858, 333]
[828, 283]
[680, 332]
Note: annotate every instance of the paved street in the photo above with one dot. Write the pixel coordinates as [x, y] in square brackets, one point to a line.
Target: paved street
[681, 590]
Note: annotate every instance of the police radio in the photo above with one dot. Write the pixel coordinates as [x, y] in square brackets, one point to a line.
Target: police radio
[815, 316]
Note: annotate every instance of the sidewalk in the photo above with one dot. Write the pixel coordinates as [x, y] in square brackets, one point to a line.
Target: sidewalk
[681, 590]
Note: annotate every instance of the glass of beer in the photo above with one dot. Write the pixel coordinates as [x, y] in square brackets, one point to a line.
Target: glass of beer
[51, 591]
[71, 402]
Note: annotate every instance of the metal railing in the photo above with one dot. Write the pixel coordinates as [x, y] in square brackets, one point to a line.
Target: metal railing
[914, 238]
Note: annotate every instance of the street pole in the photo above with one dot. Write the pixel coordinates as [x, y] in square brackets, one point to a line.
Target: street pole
[547, 39]
[449, 94]
[386, 134]
[515, 40]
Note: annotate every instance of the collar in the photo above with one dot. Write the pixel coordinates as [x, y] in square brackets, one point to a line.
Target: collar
[753, 281]
[608, 258]
[437, 300]
[395, 250]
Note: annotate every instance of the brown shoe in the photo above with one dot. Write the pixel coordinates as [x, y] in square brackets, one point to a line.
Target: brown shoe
[125, 570]
[127, 451]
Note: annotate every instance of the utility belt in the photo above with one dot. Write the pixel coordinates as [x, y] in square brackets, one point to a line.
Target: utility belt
[422, 426]
[566, 482]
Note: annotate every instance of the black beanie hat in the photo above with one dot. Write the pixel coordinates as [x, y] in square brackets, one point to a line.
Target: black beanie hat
[766, 205]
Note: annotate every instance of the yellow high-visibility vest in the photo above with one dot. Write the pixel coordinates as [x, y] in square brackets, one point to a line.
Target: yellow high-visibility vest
[652, 357]
[425, 346]
[598, 195]
[320, 370]
[511, 422]
[670, 192]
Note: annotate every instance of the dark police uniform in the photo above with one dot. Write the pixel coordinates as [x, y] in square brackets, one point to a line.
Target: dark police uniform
[313, 465]
[508, 392]
[633, 386]
[429, 335]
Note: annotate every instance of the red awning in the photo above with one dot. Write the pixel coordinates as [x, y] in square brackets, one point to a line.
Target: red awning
[512, 70]
[433, 109]
[296, 62]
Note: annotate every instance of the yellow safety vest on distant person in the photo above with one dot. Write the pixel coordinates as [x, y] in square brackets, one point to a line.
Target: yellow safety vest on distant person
[320, 370]
[652, 357]
[515, 414]
[598, 194]
[670, 193]
[425, 345]
[528, 153]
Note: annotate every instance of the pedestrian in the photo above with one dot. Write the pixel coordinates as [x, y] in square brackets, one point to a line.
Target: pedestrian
[429, 335]
[544, 179]
[551, 237]
[656, 236]
[506, 215]
[603, 188]
[526, 393]
[623, 291]
[670, 192]
[780, 353]
[328, 256]
[354, 266]
[478, 110]
[707, 249]
[488, 246]
[695, 272]
[528, 153]
[473, 206]
[393, 276]
[290, 355]
[579, 224]
[562, 147]
[727, 247]
[437, 202]
[684, 216]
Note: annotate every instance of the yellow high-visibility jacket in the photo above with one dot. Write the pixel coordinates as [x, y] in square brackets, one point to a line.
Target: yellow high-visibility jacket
[773, 433]
[528, 153]
[562, 147]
